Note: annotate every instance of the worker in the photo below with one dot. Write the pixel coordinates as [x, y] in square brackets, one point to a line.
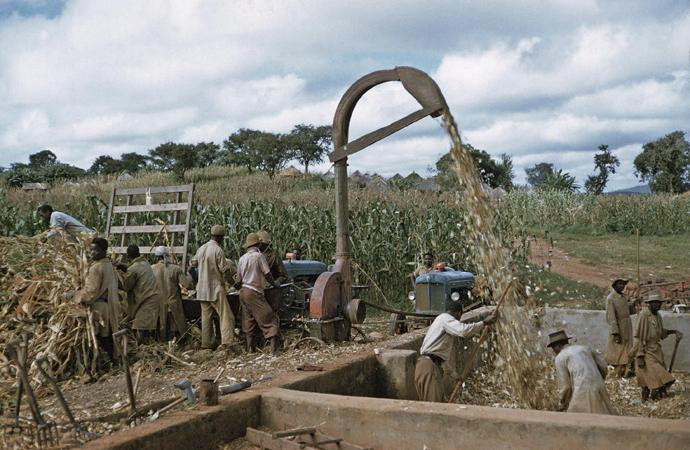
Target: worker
[143, 297]
[426, 267]
[278, 271]
[581, 374]
[437, 347]
[169, 278]
[620, 339]
[57, 221]
[211, 291]
[650, 368]
[100, 294]
[253, 272]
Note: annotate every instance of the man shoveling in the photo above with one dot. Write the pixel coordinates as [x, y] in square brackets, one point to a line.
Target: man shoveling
[581, 374]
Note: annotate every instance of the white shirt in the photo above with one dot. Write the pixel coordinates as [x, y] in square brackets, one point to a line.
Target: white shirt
[252, 269]
[439, 339]
[68, 223]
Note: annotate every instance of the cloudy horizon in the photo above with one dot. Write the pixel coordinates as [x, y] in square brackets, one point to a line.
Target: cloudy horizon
[543, 81]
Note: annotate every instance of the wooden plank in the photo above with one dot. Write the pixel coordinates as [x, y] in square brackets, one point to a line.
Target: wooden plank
[150, 208]
[136, 229]
[155, 190]
[108, 221]
[125, 222]
[187, 225]
[148, 250]
[375, 136]
[266, 441]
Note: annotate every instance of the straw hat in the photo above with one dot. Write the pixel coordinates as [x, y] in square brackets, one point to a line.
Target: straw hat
[217, 230]
[654, 297]
[160, 251]
[264, 237]
[252, 240]
[557, 337]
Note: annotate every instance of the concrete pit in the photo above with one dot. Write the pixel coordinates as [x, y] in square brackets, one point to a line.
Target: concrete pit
[368, 399]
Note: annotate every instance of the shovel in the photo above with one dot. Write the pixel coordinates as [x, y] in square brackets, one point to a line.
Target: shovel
[673, 357]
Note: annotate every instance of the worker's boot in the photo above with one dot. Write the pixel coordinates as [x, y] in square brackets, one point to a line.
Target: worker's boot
[275, 345]
[655, 394]
[645, 394]
[251, 344]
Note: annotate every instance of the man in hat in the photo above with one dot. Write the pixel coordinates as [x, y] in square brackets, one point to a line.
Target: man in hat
[253, 272]
[437, 347]
[581, 374]
[650, 369]
[100, 293]
[278, 271]
[620, 339]
[169, 278]
[210, 289]
[143, 297]
[425, 268]
[57, 220]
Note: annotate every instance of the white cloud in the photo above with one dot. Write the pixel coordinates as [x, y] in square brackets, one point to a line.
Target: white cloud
[543, 81]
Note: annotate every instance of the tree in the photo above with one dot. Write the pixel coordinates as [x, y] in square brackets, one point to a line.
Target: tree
[665, 163]
[537, 173]
[309, 144]
[258, 150]
[42, 159]
[492, 173]
[559, 181]
[104, 165]
[206, 153]
[605, 163]
[178, 158]
[240, 149]
[132, 162]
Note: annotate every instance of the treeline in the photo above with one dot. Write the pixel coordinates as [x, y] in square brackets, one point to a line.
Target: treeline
[251, 149]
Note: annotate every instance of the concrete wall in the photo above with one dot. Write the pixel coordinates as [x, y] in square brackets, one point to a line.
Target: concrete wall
[590, 328]
[400, 425]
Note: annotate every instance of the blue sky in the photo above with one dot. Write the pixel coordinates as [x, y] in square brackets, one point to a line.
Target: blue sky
[539, 80]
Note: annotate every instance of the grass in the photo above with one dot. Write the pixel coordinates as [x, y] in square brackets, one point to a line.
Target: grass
[555, 290]
[666, 257]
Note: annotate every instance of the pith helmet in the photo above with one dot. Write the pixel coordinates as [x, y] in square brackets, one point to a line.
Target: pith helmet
[252, 240]
[264, 237]
[217, 230]
[558, 337]
[160, 251]
[654, 297]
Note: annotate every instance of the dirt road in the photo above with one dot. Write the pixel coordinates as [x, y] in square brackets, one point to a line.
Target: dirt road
[543, 254]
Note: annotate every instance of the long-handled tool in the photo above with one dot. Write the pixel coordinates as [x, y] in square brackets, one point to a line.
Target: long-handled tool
[125, 367]
[78, 428]
[675, 350]
[470, 361]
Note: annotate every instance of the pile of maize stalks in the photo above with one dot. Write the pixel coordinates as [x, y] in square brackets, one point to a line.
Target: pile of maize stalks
[35, 274]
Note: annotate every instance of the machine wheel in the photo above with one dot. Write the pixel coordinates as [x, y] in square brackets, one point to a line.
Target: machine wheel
[396, 326]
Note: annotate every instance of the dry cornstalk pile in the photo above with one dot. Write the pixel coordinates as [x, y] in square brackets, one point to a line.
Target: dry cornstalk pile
[35, 273]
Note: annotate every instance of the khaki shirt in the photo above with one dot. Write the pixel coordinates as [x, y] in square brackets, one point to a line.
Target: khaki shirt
[169, 278]
[278, 269]
[210, 259]
[100, 293]
[421, 271]
[581, 373]
[440, 336]
[143, 297]
[252, 270]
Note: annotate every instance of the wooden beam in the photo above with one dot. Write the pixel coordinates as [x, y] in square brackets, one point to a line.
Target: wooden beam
[136, 229]
[375, 136]
[148, 250]
[266, 441]
[150, 208]
[154, 190]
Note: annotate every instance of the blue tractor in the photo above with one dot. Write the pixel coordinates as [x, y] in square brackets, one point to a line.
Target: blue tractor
[433, 292]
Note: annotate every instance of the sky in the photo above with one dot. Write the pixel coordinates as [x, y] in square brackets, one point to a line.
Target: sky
[539, 80]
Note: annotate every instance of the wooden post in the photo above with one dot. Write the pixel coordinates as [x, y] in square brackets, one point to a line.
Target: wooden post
[637, 233]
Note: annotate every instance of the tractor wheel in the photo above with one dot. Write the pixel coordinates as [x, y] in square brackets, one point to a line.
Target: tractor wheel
[396, 325]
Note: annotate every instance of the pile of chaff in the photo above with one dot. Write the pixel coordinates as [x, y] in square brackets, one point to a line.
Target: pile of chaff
[35, 273]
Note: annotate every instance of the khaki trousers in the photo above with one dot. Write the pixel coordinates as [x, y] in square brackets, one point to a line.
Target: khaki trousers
[257, 313]
[227, 322]
[428, 378]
